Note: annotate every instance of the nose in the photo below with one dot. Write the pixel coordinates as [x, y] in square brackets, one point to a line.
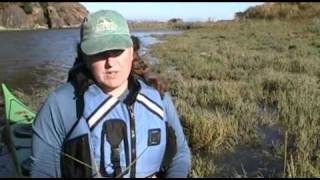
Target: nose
[111, 61]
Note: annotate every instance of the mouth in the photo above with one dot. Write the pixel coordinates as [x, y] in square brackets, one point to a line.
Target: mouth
[111, 74]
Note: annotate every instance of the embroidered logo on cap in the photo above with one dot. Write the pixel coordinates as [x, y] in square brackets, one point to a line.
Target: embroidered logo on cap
[105, 25]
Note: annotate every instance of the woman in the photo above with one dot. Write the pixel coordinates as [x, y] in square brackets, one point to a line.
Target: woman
[107, 122]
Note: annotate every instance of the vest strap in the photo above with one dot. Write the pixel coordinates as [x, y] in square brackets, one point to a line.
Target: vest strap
[151, 105]
[103, 109]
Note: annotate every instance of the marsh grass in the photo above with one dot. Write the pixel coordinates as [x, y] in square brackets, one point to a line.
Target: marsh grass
[223, 74]
[285, 11]
[162, 25]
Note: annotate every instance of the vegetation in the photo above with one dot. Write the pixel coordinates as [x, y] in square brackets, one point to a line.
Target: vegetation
[224, 74]
[282, 11]
[172, 24]
[5, 5]
[44, 6]
[27, 7]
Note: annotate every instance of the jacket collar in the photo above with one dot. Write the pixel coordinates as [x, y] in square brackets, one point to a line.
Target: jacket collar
[134, 88]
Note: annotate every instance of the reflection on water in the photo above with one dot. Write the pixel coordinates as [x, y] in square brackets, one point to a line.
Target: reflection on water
[36, 59]
[258, 161]
[42, 58]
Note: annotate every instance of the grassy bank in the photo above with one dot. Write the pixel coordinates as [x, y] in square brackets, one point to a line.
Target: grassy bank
[158, 25]
[223, 75]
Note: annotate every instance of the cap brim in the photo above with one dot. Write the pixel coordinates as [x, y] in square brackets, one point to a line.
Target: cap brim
[104, 43]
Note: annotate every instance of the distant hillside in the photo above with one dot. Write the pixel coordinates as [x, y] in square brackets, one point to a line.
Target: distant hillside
[31, 15]
[281, 11]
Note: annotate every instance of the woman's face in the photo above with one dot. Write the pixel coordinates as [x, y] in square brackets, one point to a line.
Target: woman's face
[111, 69]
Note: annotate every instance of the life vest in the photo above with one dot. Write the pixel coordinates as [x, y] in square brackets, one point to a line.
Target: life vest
[115, 138]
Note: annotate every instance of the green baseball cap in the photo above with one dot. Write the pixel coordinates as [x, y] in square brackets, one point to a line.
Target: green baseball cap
[104, 30]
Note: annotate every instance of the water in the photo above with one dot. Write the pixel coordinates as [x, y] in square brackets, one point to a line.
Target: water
[248, 161]
[41, 59]
[36, 59]
[257, 159]
[146, 39]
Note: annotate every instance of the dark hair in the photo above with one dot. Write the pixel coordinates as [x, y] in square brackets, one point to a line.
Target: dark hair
[136, 43]
[79, 75]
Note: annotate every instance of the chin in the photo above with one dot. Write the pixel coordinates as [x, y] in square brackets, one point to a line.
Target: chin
[111, 84]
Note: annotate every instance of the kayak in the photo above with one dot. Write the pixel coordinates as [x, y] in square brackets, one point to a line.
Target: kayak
[18, 131]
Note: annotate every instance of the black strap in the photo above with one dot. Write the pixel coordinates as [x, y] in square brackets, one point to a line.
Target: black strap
[170, 151]
[115, 159]
[115, 131]
[80, 106]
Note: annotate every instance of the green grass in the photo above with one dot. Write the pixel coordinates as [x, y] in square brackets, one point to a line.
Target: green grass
[219, 75]
[282, 11]
[160, 25]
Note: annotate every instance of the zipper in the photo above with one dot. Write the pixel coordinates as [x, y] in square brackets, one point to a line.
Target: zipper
[133, 141]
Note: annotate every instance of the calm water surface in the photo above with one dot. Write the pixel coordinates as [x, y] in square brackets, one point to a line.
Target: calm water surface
[42, 58]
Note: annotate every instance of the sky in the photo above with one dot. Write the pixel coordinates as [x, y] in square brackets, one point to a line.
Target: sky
[192, 11]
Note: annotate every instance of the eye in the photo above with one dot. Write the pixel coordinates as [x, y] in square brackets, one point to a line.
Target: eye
[105, 55]
[114, 53]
